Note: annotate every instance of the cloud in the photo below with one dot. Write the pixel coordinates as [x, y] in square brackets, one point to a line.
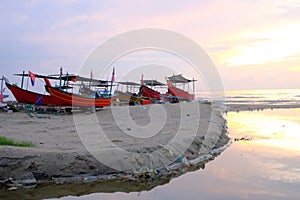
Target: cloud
[43, 33]
[294, 69]
[263, 47]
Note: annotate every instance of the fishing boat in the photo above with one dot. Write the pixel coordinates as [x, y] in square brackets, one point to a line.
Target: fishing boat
[3, 96]
[29, 97]
[129, 96]
[59, 95]
[175, 92]
[148, 94]
[2, 90]
[86, 97]
[76, 99]
[122, 97]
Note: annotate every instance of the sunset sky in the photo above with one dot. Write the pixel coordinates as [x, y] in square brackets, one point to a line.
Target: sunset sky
[255, 44]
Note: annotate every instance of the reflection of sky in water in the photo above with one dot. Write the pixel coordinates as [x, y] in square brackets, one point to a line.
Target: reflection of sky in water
[278, 128]
[271, 158]
[266, 167]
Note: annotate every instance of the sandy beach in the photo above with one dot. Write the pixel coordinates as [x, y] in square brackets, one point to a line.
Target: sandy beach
[61, 152]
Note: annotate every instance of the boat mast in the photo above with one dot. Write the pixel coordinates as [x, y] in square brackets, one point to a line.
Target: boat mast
[90, 83]
[22, 79]
[60, 74]
[67, 78]
[112, 80]
[193, 86]
[27, 81]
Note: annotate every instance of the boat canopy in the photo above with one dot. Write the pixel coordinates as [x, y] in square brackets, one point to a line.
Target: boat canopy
[179, 79]
[70, 77]
[129, 83]
[153, 83]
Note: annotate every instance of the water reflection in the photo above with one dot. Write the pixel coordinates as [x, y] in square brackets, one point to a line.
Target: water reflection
[274, 150]
[265, 167]
[278, 129]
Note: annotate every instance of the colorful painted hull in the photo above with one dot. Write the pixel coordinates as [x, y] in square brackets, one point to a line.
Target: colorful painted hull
[180, 94]
[77, 100]
[3, 96]
[149, 93]
[28, 97]
[123, 96]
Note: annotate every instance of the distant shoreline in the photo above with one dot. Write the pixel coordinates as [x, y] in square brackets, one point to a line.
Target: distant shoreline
[257, 107]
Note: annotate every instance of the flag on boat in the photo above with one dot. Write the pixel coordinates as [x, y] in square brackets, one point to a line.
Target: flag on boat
[60, 70]
[1, 95]
[142, 80]
[32, 78]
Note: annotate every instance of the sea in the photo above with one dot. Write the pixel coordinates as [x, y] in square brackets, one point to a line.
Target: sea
[262, 97]
[283, 97]
[261, 163]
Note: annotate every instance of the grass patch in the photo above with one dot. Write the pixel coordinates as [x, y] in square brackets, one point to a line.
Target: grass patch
[11, 142]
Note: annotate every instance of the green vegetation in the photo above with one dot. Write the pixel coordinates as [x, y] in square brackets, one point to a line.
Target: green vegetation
[10, 142]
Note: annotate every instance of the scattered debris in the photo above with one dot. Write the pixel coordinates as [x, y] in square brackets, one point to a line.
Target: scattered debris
[245, 138]
[116, 140]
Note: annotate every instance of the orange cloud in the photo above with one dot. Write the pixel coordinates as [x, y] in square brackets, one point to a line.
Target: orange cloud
[264, 47]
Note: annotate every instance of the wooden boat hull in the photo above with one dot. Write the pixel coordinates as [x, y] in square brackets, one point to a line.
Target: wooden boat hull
[149, 93]
[3, 96]
[128, 98]
[77, 100]
[28, 97]
[181, 95]
[123, 96]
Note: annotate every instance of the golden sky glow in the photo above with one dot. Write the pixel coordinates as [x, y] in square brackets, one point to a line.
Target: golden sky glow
[295, 69]
[269, 46]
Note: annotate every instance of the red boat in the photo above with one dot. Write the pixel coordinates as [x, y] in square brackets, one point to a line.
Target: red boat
[149, 93]
[76, 100]
[57, 95]
[179, 93]
[176, 92]
[28, 97]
